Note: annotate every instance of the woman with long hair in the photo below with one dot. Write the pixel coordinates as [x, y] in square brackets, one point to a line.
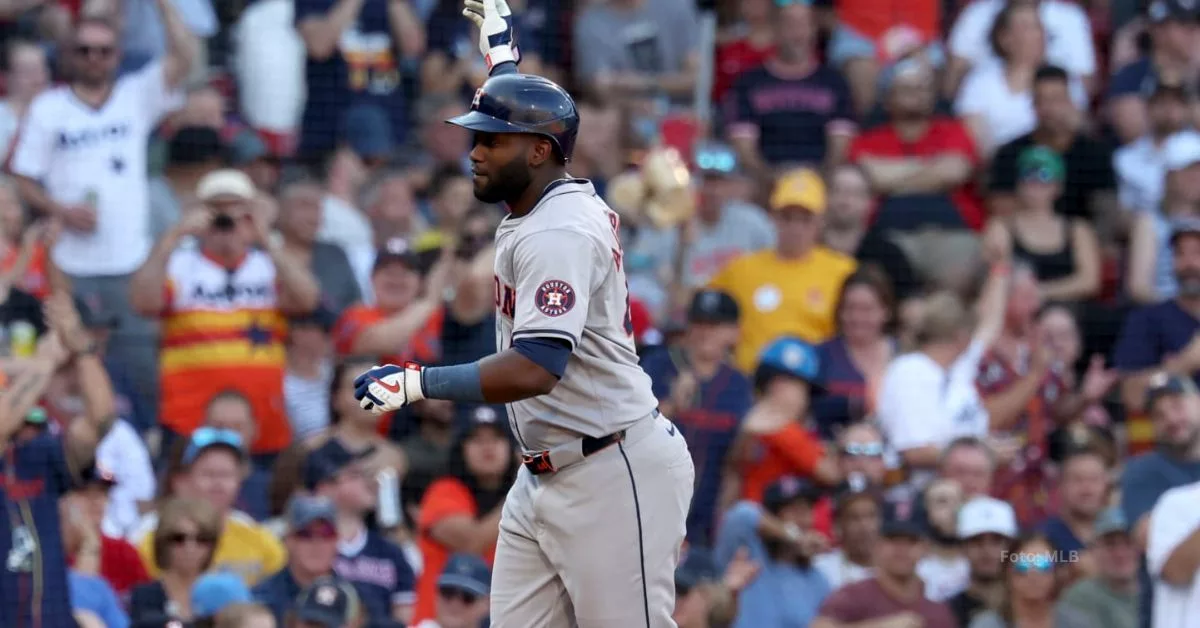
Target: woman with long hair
[461, 511]
[853, 362]
[1032, 588]
[996, 98]
[185, 542]
[357, 430]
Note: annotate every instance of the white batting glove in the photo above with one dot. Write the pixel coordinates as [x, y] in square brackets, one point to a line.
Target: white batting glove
[497, 36]
[387, 388]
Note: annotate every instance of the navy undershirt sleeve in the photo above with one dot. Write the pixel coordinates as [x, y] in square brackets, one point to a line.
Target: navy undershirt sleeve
[548, 353]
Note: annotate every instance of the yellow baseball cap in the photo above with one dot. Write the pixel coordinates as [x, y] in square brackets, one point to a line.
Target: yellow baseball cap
[802, 188]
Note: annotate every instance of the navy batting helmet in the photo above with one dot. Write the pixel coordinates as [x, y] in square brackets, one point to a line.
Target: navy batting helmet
[524, 103]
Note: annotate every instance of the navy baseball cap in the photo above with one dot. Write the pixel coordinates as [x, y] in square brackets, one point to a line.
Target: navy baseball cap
[212, 592]
[327, 461]
[1166, 385]
[367, 130]
[789, 489]
[712, 307]
[206, 438]
[397, 251]
[466, 572]
[328, 602]
[304, 511]
[894, 526]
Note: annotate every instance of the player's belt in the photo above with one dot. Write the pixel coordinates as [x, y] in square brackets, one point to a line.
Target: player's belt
[564, 455]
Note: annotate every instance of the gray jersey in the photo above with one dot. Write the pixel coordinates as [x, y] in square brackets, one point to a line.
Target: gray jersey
[559, 274]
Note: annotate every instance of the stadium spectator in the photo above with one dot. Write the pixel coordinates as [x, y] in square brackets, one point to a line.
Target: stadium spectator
[1109, 598]
[792, 289]
[853, 362]
[90, 593]
[1140, 165]
[707, 399]
[861, 453]
[356, 50]
[743, 46]
[847, 230]
[866, 39]
[214, 592]
[299, 222]
[26, 75]
[928, 397]
[112, 558]
[342, 221]
[1031, 589]
[311, 542]
[1063, 252]
[375, 566]
[895, 593]
[971, 464]
[944, 568]
[630, 50]
[82, 158]
[779, 536]
[223, 306]
[356, 432]
[1067, 34]
[24, 259]
[791, 95]
[213, 466]
[1084, 493]
[449, 198]
[192, 153]
[920, 163]
[462, 593]
[247, 152]
[1171, 56]
[1058, 331]
[1172, 536]
[427, 448]
[857, 519]
[231, 411]
[986, 527]
[185, 544]
[776, 442]
[306, 385]
[1089, 185]
[245, 616]
[460, 513]
[1151, 273]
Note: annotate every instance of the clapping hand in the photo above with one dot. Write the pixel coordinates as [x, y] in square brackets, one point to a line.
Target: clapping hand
[497, 36]
[1098, 380]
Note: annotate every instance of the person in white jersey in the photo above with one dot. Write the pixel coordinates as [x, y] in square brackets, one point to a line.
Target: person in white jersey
[590, 532]
[81, 159]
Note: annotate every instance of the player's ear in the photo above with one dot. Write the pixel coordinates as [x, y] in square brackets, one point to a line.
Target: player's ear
[540, 152]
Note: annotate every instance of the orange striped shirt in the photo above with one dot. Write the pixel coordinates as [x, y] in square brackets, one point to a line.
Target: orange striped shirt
[222, 330]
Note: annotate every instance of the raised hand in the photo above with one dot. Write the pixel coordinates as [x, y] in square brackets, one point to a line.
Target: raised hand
[497, 36]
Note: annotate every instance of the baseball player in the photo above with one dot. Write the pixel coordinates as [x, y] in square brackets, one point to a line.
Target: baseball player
[591, 530]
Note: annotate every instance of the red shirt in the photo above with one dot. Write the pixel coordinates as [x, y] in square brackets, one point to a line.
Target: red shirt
[894, 25]
[734, 58]
[120, 565]
[790, 451]
[945, 136]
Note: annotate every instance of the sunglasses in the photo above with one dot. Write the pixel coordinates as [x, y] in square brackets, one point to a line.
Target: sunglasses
[84, 50]
[1037, 564]
[466, 597]
[179, 538]
[716, 161]
[317, 533]
[870, 450]
[788, 3]
[207, 436]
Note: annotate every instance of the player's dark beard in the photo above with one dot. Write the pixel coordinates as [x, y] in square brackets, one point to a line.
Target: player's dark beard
[508, 183]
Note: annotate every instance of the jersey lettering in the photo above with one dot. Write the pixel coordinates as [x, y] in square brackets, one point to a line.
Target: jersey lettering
[505, 297]
[615, 221]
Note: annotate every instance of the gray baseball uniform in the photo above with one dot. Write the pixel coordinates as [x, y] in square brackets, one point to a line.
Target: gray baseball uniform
[595, 543]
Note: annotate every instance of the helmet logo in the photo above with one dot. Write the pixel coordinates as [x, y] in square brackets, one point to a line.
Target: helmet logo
[478, 96]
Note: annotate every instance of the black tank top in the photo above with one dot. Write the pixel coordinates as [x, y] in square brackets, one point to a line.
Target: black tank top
[1048, 266]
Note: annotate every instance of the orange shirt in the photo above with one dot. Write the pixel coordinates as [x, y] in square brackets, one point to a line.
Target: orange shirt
[222, 330]
[790, 451]
[446, 497]
[425, 346]
[35, 280]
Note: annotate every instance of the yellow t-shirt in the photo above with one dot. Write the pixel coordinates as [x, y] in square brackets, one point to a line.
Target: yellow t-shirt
[779, 297]
[245, 548]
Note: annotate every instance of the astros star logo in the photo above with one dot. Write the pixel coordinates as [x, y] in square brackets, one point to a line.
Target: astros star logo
[555, 297]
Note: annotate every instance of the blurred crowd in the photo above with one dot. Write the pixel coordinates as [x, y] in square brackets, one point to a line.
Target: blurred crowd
[923, 296]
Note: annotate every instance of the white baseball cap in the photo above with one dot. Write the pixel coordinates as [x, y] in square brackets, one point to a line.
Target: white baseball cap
[986, 515]
[227, 182]
[1181, 150]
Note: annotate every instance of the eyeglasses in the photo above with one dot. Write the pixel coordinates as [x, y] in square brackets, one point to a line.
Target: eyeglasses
[180, 538]
[1037, 564]
[716, 161]
[863, 449]
[84, 50]
[450, 593]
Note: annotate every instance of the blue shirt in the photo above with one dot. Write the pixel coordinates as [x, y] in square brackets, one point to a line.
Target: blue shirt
[1145, 479]
[709, 427]
[1150, 334]
[784, 595]
[364, 69]
[91, 593]
[841, 398]
[33, 580]
[379, 572]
